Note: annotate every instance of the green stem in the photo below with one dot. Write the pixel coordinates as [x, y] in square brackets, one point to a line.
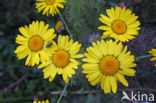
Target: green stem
[142, 57]
[65, 88]
[66, 26]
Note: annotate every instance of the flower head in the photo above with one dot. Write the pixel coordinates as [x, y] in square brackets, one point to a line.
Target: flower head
[107, 63]
[59, 26]
[120, 24]
[63, 59]
[94, 38]
[33, 41]
[49, 6]
[46, 101]
[153, 52]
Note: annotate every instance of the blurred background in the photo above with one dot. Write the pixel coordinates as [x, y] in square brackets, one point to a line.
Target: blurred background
[21, 84]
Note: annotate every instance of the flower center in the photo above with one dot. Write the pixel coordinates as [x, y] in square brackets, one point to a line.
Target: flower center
[109, 65]
[61, 58]
[119, 27]
[36, 43]
[95, 39]
[50, 2]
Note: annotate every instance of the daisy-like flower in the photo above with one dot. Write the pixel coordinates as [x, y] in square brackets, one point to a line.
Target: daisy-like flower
[107, 63]
[49, 6]
[33, 41]
[120, 24]
[153, 52]
[94, 38]
[46, 101]
[63, 60]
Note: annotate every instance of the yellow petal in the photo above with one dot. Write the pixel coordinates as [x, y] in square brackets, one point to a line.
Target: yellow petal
[53, 74]
[77, 56]
[107, 86]
[47, 101]
[122, 79]
[59, 70]
[24, 32]
[34, 101]
[97, 80]
[20, 48]
[128, 72]
[113, 84]
[102, 81]
[65, 77]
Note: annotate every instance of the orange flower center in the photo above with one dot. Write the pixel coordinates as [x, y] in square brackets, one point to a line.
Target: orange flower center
[109, 65]
[119, 27]
[61, 58]
[50, 2]
[36, 43]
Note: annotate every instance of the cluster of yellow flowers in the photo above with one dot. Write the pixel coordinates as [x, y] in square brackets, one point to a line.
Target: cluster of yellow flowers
[106, 61]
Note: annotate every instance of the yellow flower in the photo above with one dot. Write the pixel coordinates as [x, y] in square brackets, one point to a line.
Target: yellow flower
[107, 63]
[63, 59]
[153, 52]
[47, 101]
[33, 41]
[120, 24]
[49, 6]
[59, 26]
